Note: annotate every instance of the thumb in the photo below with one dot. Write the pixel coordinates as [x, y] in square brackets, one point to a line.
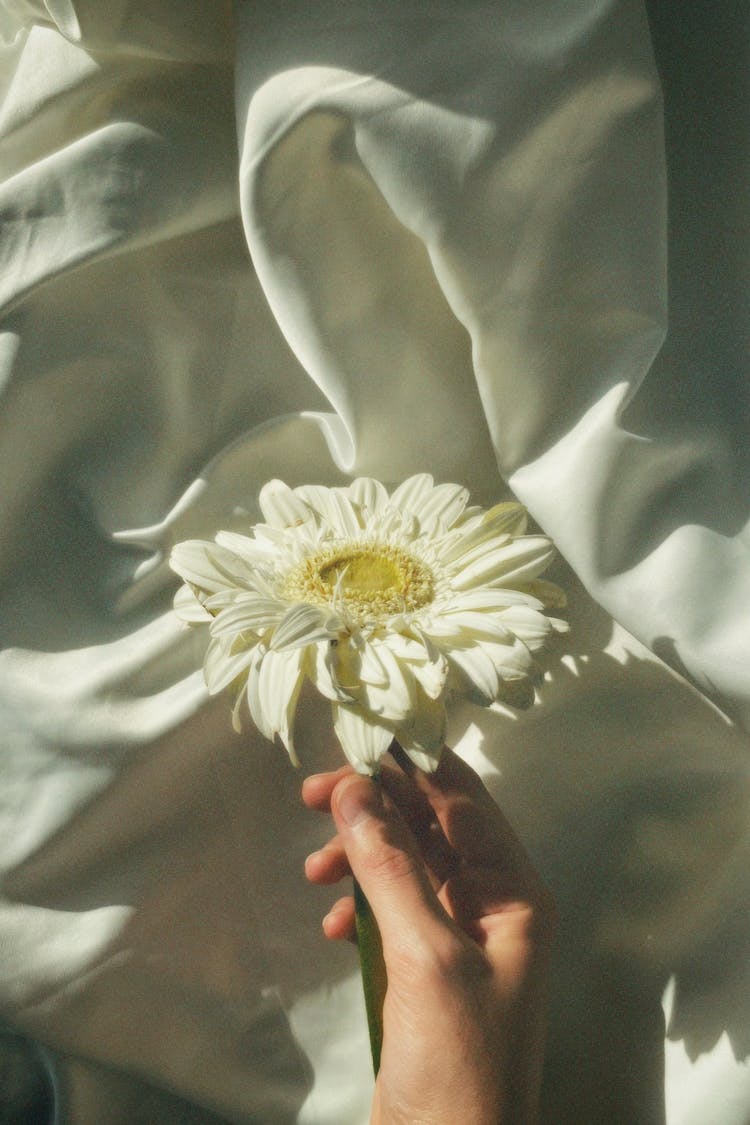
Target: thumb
[386, 861]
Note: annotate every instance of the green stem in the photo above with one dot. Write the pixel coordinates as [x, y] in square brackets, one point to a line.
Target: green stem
[372, 967]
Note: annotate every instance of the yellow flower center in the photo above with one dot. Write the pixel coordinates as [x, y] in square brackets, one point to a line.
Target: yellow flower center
[374, 580]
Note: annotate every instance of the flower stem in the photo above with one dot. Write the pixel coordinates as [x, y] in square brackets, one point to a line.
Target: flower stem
[372, 965]
[372, 968]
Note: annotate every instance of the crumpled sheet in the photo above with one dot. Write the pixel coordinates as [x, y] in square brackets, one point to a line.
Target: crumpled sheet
[374, 238]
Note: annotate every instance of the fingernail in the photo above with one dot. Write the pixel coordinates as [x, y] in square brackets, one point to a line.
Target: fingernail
[311, 858]
[356, 798]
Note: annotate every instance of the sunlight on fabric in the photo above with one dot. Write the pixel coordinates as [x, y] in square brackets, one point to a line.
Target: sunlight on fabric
[708, 1088]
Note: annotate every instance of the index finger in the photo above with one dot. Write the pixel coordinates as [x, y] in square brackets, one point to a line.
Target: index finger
[471, 820]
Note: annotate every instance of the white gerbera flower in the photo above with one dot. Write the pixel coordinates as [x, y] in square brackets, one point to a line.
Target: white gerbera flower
[387, 604]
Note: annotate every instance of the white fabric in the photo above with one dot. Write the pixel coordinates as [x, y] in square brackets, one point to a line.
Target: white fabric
[372, 238]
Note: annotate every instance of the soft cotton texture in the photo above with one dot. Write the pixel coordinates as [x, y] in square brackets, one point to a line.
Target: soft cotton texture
[371, 241]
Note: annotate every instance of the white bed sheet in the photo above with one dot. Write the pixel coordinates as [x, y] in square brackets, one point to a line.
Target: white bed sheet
[367, 239]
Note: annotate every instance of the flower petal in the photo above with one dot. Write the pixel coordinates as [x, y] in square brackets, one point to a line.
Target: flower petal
[422, 737]
[422, 658]
[281, 506]
[441, 508]
[478, 672]
[254, 701]
[432, 676]
[394, 524]
[470, 518]
[403, 647]
[412, 493]
[302, 625]
[334, 508]
[363, 739]
[511, 662]
[486, 599]
[274, 538]
[509, 518]
[323, 673]
[369, 496]
[464, 626]
[516, 561]
[221, 666]
[236, 721]
[247, 612]
[426, 762]
[393, 701]
[189, 608]
[547, 593]
[431, 652]
[207, 565]
[532, 627]
[273, 689]
[371, 669]
[253, 551]
[478, 554]
[504, 520]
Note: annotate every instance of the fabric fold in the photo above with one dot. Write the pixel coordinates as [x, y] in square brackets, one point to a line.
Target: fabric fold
[373, 240]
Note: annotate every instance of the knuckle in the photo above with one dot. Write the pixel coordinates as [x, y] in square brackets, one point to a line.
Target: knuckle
[452, 964]
[535, 924]
[387, 863]
[465, 968]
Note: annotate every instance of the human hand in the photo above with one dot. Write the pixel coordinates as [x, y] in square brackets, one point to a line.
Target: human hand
[466, 928]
